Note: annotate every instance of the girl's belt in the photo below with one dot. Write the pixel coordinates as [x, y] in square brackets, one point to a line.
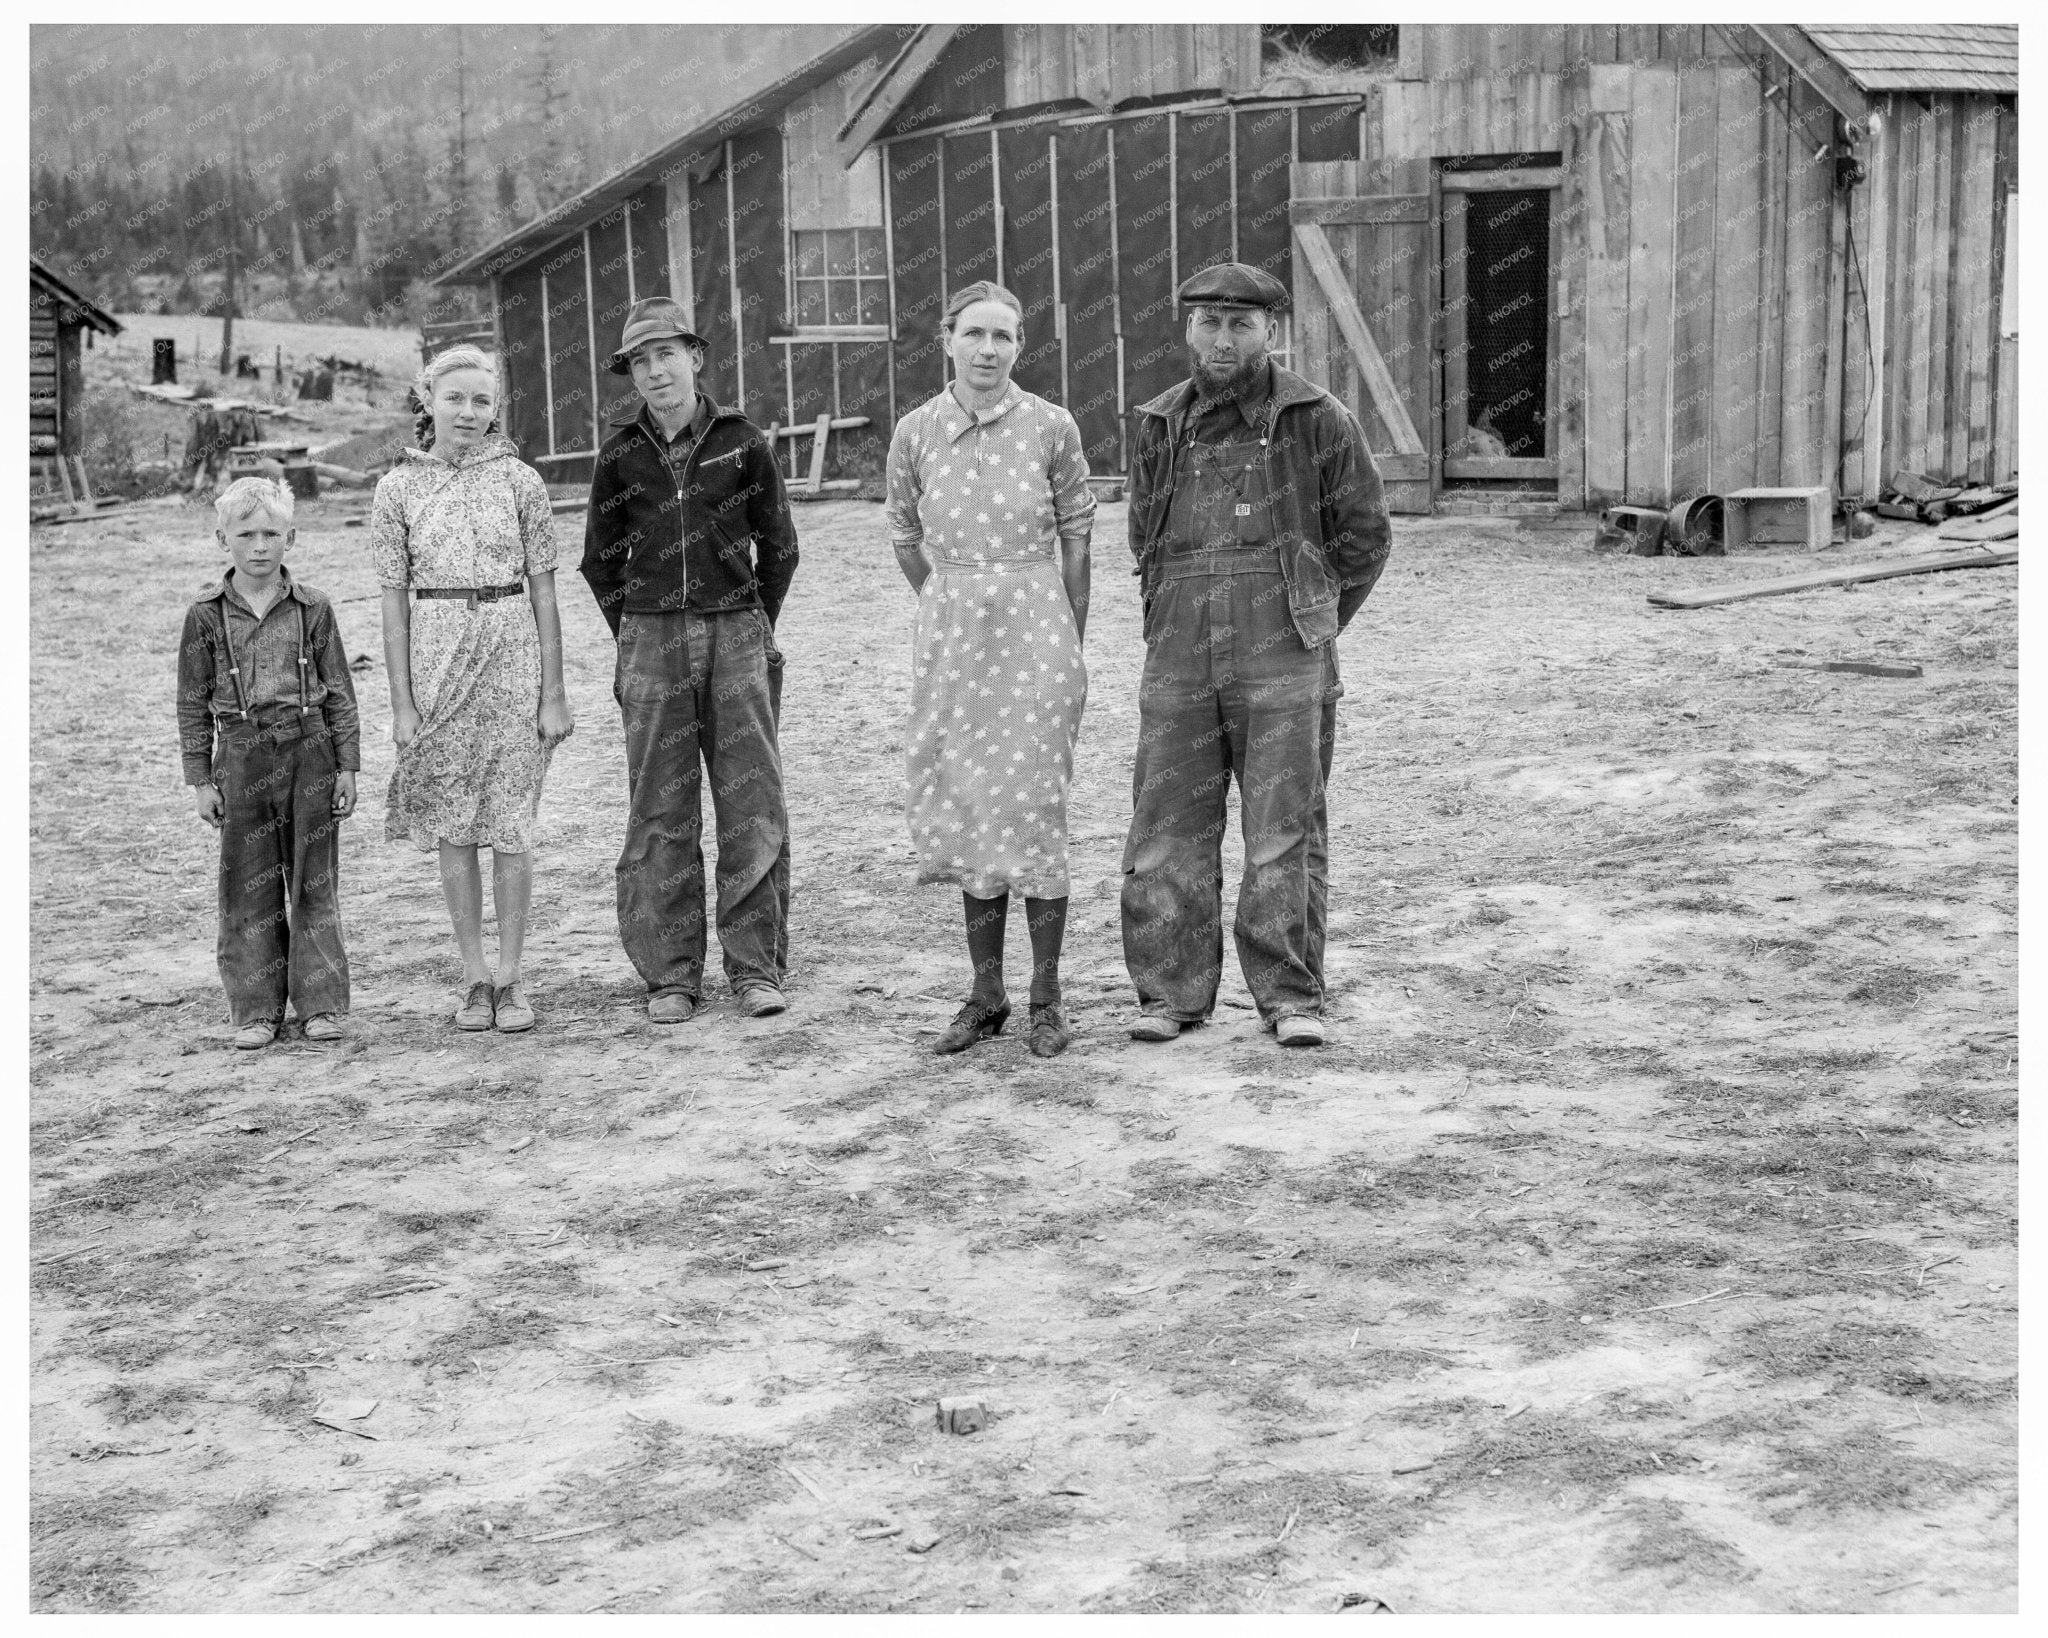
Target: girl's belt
[472, 594]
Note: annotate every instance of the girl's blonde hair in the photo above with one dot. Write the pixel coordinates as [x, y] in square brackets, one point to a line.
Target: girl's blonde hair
[464, 357]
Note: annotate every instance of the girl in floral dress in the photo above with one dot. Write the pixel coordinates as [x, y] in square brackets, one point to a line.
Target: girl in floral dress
[463, 539]
[990, 514]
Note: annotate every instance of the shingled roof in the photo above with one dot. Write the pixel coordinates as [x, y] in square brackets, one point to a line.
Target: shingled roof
[1924, 56]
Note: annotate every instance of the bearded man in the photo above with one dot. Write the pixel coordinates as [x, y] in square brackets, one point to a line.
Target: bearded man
[1259, 526]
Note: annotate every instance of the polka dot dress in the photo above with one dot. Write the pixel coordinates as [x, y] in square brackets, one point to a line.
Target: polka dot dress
[998, 683]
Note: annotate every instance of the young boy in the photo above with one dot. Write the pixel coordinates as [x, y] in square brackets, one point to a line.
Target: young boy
[267, 725]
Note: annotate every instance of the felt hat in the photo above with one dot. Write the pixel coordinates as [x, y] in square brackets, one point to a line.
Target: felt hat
[650, 319]
[1232, 284]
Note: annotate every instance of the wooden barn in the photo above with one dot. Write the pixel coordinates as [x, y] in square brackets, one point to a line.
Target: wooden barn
[1551, 264]
[60, 322]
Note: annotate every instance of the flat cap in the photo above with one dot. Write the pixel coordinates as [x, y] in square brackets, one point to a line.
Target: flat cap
[1232, 284]
[649, 319]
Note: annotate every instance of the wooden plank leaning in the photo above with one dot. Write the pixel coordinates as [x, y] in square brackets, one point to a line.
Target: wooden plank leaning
[1379, 384]
[1849, 574]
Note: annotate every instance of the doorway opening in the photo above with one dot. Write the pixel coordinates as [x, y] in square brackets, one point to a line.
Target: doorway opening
[1499, 250]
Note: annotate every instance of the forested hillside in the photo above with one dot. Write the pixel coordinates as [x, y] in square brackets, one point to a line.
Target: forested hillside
[345, 164]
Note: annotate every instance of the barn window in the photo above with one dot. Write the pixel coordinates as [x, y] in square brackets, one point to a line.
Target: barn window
[841, 278]
[1331, 45]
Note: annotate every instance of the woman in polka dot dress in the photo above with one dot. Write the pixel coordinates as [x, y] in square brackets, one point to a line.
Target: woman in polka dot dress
[990, 513]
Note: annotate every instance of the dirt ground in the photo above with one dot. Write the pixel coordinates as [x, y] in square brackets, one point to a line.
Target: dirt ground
[1645, 1240]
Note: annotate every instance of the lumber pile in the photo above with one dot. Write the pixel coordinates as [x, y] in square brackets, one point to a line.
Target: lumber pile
[1915, 498]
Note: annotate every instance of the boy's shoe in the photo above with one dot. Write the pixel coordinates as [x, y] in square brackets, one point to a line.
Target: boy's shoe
[1155, 1026]
[323, 1026]
[476, 1011]
[251, 1037]
[514, 1011]
[761, 1000]
[672, 1008]
[1297, 1029]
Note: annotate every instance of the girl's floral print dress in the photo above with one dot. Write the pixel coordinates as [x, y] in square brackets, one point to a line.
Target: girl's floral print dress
[998, 682]
[472, 775]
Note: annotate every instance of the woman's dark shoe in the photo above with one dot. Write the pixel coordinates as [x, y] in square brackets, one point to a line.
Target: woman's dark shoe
[1049, 1033]
[970, 1024]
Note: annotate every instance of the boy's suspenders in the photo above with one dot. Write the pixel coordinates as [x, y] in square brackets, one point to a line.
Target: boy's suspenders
[235, 665]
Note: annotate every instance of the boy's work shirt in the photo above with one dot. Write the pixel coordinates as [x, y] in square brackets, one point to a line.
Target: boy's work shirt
[231, 662]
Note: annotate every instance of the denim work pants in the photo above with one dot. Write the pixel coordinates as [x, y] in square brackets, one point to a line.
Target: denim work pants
[280, 859]
[702, 686]
[1229, 691]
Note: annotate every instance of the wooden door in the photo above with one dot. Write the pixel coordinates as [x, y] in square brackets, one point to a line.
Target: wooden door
[1500, 259]
[1361, 305]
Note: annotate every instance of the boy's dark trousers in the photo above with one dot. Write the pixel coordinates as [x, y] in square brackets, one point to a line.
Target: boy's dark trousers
[280, 856]
[702, 690]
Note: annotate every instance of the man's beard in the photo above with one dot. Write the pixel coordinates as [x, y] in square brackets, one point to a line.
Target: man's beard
[1214, 390]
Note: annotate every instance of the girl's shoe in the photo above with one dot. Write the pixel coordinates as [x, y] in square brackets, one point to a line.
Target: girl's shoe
[970, 1024]
[476, 1011]
[323, 1026]
[514, 1011]
[1049, 1033]
[251, 1037]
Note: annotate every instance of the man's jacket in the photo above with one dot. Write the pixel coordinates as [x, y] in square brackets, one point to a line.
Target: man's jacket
[1328, 513]
[707, 529]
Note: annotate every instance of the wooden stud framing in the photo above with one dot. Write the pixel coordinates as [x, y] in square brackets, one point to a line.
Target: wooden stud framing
[547, 361]
[590, 331]
[732, 267]
[626, 215]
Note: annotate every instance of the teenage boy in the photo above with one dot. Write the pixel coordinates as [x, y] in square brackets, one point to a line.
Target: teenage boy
[689, 547]
[267, 725]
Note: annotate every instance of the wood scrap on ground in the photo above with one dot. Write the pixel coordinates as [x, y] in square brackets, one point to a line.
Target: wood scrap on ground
[1999, 523]
[1864, 668]
[1851, 574]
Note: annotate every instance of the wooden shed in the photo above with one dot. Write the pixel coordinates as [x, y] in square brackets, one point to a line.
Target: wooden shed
[60, 322]
[1561, 264]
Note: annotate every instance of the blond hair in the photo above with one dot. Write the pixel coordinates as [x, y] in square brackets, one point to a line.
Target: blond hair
[464, 357]
[246, 495]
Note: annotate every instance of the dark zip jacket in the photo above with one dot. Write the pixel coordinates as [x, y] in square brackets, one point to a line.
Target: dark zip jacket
[1328, 511]
[707, 530]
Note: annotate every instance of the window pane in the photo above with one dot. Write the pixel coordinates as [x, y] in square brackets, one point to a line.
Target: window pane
[868, 254]
[844, 305]
[810, 301]
[839, 252]
[810, 255]
[874, 301]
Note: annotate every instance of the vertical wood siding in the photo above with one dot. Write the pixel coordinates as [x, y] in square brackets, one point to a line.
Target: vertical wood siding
[1946, 176]
[823, 192]
[1055, 62]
